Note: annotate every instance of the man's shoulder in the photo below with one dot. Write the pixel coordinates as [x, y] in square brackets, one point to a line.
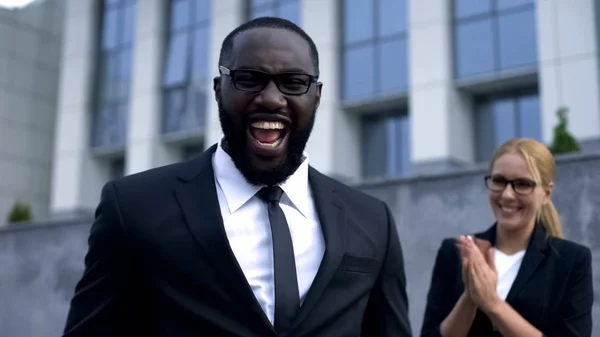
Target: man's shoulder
[158, 177]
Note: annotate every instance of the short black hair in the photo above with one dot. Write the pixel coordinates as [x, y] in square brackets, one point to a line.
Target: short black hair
[226, 55]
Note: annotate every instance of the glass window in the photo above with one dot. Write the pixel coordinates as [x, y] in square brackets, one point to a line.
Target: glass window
[500, 118]
[529, 117]
[287, 9]
[358, 21]
[185, 71]
[360, 79]
[386, 146]
[493, 35]
[393, 66]
[176, 68]
[467, 8]
[517, 41]
[474, 48]
[512, 4]
[115, 65]
[392, 18]
[180, 14]
[375, 60]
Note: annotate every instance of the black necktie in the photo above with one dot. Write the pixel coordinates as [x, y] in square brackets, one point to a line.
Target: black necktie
[287, 297]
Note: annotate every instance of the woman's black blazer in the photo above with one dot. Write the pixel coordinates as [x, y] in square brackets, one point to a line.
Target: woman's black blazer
[553, 290]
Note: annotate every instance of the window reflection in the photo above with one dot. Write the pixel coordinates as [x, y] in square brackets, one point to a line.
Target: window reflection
[109, 126]
[386, 145]
[500, 118]
[286, 9]
[375, 48]
[493, 35]
[185, 73]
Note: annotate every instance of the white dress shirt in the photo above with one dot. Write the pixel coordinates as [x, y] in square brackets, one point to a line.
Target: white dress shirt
[508, 267]
[246, 221]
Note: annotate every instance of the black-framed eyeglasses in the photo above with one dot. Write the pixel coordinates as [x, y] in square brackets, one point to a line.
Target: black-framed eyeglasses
[521, 186]
[254, 81]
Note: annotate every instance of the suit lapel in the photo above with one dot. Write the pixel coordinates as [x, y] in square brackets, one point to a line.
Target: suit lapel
[535, 254]
[332, 219]
[198, 200]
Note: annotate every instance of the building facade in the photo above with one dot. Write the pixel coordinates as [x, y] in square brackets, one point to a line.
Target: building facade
[30, 50]
[410, 86]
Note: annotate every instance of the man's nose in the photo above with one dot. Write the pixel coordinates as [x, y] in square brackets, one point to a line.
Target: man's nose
[271, 97]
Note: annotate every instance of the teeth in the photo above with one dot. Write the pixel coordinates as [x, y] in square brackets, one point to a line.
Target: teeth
[271, 145]
[268, 125]
[509, 209]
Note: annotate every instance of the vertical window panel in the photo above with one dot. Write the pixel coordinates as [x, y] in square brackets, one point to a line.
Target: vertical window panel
[110, 29]
[374, 143]
[180, 14]
[484, 131]
[392, 18]
[516, 34]
[500, 118]
[185, 70]
[529, 117]
[474, 48]
[128, 28]
[177, 60]
[504, 120]
[467, 8]
[403, 153]
[393, 66]
[200, 56]
[290, 10]
[115, 63]
[286, 9]
[256, 3]
[174, 110]
[386, 146]
[358, 70]
[492, 36]
[202, 10]
[380, 26]
[359, 17]
[512, 4]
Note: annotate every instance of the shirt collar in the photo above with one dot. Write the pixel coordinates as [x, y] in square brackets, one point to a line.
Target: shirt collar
[238, 191]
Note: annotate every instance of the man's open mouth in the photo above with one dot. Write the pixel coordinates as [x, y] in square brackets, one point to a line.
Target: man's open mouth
[268, 136]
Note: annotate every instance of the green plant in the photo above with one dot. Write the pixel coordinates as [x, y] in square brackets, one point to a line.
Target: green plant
[563, 141]
[20, 212]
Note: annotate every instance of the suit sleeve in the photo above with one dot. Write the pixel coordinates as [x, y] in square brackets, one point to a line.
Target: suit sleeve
[387, 310]
[439, 304]
[576, 307]
[98, 303]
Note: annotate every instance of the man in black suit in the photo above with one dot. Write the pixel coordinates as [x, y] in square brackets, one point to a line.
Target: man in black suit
[247, 239]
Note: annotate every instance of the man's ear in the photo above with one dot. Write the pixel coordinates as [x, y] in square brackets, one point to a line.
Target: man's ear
[319, 88]
[217, 87]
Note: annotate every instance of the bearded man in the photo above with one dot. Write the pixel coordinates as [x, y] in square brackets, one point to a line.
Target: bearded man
[248, 239]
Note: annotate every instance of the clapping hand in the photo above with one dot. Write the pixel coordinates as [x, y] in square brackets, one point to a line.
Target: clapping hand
[479, 271]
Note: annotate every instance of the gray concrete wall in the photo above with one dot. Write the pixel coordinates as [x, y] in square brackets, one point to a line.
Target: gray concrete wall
[30, 50]
[41, 264]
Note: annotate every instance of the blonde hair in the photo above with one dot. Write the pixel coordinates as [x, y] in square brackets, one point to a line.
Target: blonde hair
[542, 166]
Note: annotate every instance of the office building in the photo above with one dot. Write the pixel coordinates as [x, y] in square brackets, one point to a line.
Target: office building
[30, 50]
[410, 86]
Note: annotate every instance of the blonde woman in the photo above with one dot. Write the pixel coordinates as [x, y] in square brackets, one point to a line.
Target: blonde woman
[520, 277]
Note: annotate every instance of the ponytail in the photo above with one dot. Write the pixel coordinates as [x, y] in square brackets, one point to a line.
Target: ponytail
[549, 218]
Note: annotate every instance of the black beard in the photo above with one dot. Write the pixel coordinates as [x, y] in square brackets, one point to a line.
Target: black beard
[236, 145]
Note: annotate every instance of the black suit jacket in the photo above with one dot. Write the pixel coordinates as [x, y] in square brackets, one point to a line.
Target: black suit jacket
[159, 264]
[553, 290]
